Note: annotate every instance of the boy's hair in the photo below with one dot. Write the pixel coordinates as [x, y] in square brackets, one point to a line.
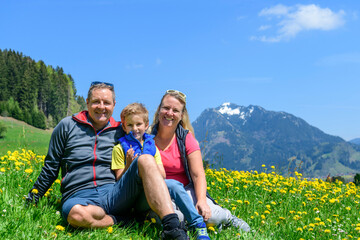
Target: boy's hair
[135, 108]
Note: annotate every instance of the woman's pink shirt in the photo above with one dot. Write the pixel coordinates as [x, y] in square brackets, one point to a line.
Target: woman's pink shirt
[172, 162]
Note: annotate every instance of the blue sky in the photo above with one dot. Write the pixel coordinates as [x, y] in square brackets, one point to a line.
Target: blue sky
[299, 57]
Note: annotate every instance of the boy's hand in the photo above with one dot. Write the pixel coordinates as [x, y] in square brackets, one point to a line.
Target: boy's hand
[130, 155]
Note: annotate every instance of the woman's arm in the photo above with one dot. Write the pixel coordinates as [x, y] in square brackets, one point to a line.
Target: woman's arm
[198, 176]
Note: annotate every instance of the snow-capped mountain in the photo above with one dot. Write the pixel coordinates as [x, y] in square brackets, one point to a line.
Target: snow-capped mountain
[244, 138]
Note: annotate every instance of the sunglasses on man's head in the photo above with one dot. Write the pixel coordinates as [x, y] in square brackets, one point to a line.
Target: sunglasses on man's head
[106, 83]
[178, 92]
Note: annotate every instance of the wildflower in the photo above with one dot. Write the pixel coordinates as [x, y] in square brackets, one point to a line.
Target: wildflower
[273, 167]
[29, 170]
[211, 229]
[58, 181]
[239, 201]
[281, 218]
[109, 229]
[310, 229]
[60, 228]
[246, 202]
[348, 208]
[35, 191]
[299, 229]
[153, 220]
[263, 165]
[263, 216]
[317, 219]
[327, 231]
[2, 169]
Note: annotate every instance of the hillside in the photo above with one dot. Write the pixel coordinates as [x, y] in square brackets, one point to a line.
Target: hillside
[22, 135]
[244, 138]
[35, 92]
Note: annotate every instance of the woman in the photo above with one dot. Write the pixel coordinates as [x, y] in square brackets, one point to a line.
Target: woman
[181, 156]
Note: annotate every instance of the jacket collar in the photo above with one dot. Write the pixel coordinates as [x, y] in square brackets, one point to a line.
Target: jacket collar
[83, 118]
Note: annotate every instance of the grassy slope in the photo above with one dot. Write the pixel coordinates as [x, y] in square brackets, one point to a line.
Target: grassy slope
[21, 135]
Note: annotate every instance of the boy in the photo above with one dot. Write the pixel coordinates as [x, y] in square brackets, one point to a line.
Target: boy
[135, 121]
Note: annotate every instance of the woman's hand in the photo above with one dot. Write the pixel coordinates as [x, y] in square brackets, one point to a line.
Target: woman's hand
[204, 210]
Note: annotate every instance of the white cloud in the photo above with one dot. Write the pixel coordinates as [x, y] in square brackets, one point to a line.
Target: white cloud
[340, 59]
[134, 66]
[298, 18]
[158, 61]
[264, 27]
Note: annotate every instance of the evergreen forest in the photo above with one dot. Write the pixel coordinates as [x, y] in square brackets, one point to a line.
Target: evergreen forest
[36, 93]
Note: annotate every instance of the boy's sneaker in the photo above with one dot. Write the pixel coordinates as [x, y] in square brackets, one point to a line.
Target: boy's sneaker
[201, 232]
[239, 223]
[178, 233]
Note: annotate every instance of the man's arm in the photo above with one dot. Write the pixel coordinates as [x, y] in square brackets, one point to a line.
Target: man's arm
[51, 167]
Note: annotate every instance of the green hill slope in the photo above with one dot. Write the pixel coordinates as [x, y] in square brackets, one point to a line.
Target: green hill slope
[21, 135]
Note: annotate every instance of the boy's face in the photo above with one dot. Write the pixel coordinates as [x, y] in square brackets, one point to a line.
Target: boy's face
[136, 124]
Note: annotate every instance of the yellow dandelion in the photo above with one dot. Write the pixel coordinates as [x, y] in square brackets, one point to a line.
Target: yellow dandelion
[263, 217]
[58, 181]
[348, 208]
[327, 231]
[153, 220]
[211, 229]
[246, 202]
[109, 229]
[35, 191]
[299, 229]
[60, 228]
[281, 218]
[2, 169]
[273, 167]
[29, 170]
[263, 165]
[310, 229]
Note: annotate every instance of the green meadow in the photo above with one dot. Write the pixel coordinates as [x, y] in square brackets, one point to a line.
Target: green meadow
[275, 206]
[20, 135]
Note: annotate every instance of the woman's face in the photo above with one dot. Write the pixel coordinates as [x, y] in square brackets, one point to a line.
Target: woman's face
[171, 111]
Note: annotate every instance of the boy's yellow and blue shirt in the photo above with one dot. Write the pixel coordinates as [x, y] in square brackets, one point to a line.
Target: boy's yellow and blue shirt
[119, 157]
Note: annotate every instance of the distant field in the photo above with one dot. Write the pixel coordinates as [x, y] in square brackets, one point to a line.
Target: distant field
[21, 135]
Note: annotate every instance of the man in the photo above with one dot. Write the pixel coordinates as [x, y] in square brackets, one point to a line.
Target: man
[81, 146]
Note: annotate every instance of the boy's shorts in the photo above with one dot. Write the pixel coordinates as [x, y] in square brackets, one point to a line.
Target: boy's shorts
[115, 198]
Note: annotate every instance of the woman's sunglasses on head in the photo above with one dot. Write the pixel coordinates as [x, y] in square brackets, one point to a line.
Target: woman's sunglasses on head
[177, 92]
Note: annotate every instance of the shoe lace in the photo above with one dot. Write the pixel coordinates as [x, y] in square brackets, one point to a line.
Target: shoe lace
[201, 232]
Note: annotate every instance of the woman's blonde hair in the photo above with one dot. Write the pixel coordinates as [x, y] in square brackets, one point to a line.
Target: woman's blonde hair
[185, 121]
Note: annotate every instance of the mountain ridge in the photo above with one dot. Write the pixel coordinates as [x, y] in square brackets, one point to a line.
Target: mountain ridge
[244, 138]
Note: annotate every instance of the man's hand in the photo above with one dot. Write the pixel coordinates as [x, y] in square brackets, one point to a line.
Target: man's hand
[32, 196]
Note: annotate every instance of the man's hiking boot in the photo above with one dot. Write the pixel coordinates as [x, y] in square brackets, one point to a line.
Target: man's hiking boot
[178, 233]
[239, 223]
[201, 232]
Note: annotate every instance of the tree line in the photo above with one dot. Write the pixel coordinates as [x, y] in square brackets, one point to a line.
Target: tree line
[36, 93]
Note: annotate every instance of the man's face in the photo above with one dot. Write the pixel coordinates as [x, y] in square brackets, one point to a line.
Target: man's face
[100, 107]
